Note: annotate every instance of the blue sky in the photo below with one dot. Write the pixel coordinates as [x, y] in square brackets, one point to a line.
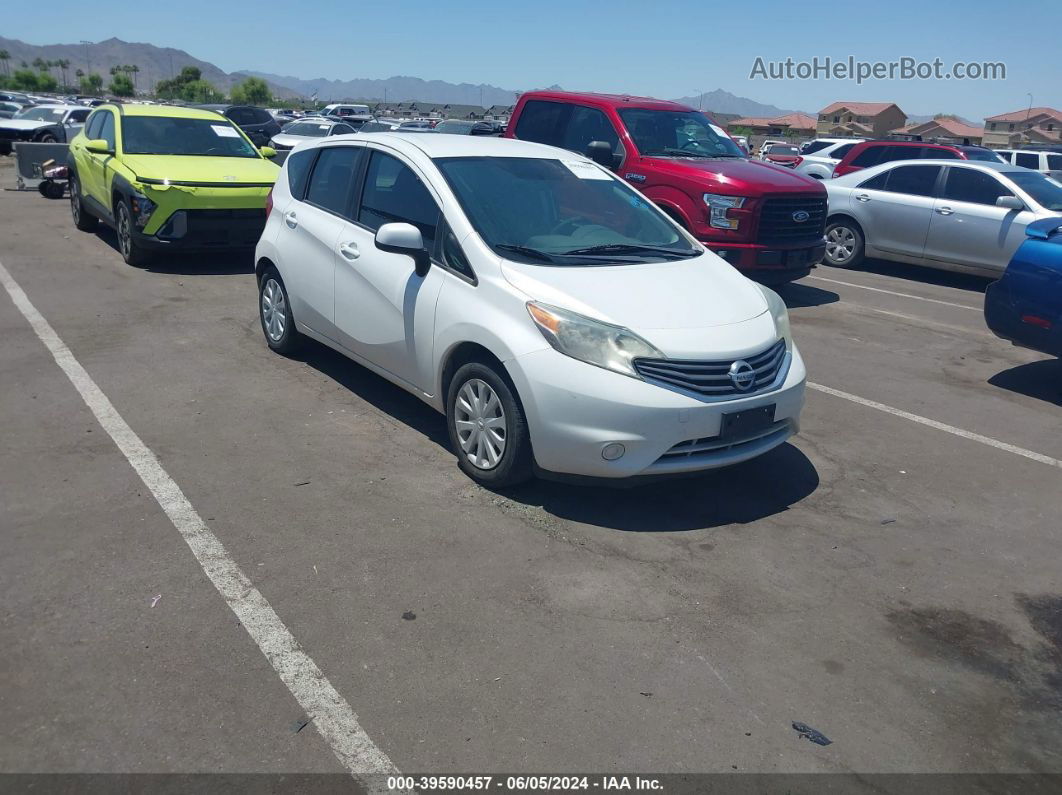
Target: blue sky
[663, 48]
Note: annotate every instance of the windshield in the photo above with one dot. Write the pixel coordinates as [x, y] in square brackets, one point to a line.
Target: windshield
[310, 129]
[1044, 191]
[783, 149]
[42, 114]
[163, 135]
[677, 134]
[553, 212]
[982, 154]
[462, 127]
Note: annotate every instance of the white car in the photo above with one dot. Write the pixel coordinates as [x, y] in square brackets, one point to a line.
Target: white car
[960, 215]
[303, 130]
[823, 154]
[561, 321]
[1044, 161]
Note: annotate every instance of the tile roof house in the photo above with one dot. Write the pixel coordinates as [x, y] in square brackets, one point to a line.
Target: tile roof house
[790, 124]
[944, 130]
[863, 119]
[1022, 127]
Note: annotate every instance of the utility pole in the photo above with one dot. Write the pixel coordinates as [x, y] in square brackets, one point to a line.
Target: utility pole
[700, 100]
[1028, 113]
[88, 63]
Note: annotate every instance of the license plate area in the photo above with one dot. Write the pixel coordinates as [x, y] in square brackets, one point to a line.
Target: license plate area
[737, 425]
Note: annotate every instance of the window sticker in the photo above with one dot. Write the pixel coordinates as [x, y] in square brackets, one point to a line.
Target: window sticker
[585, 170]
[223, 131]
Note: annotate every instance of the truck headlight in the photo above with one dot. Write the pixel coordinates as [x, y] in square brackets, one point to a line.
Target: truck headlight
[717, 207]
[600, 344]
[776, 306]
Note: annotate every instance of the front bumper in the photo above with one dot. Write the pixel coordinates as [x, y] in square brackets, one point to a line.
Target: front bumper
[770, 264]
[574, 410]
[206, 230]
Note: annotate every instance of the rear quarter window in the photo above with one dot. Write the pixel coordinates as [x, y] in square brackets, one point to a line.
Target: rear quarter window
[298, 165]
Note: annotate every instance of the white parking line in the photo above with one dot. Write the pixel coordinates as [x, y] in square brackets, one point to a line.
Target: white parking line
[330, 714]
[893, 292]
[940, 426]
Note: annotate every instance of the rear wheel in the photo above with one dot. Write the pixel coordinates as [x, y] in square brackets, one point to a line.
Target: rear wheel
[274, 310]
[844, 243]
[82, 219]
[131, 251]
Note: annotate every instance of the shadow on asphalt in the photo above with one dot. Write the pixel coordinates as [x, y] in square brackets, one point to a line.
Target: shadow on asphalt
[1040, 380]
[226, 263]
[797, 295]
[914, 273]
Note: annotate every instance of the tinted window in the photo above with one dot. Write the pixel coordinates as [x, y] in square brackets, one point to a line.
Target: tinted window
[877, 182]
[244, 116]
[107, 129]
[1007, 156]
[893, 153]
[78, 116]
[913, 180]
[968, 185]
[541, 121]
[814, 146]
[1027, 160]
[342, 129]
[165, 135]
[940, 154]
[298, 166]
[452, 254]
[977, 153]
[393, 193]
[332, 178]
[841, 151]
[92, 129]
[1045, 191]
[586, 125]
[870, 156]
[1054, 162]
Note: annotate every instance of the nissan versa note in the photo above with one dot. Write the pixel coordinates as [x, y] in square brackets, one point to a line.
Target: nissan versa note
[563, 323]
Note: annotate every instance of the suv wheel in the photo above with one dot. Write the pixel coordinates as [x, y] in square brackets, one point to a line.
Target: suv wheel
[278, 325]
[82, 219]
[130, 250]
[488, 431]
[844, 243]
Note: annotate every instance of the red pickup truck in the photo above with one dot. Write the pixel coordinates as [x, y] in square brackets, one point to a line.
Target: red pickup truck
[765, 220]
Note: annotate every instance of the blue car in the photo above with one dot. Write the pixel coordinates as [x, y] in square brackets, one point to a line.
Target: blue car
[1025, 306]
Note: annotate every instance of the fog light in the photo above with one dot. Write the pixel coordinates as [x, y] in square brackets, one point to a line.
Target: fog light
[610, 452]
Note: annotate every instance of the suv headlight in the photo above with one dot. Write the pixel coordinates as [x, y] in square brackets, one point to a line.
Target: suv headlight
[600, 344]
[717, 207]
[776, 306]
[143, 207]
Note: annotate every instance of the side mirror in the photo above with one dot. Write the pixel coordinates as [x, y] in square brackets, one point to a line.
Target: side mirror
[406, 239]
[267, 151]
[99, 146]
[601, 153]
[1010, 202]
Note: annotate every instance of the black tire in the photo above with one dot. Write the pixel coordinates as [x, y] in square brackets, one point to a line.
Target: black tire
[845, 244]
[278, 323]
[513, 465]
[47, 138]
[131, 251]
[83, 220]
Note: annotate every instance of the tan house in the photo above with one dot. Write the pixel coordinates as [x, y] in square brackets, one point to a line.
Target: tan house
[943, 130]
[860, 119]
[1023, 127]
[796, 124]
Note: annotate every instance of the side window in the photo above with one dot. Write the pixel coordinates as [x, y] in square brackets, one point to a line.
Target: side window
[95, 122]
[1054, 162]
[451, 254]
[970, 185]
[815, 146]
[240, 116]
[1008, 157]
[586, 125]
[107, 128]
[1027, 160]
[542, 121]
[870, 156]
[893, 153]
[78, 116]
[393, 193]
[913, 180]
[841, 151]
[259, 116]
[298, 166]
[876, 183]
[332, 179]
[941, 154]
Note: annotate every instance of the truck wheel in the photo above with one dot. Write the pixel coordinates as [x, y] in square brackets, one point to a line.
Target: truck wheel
[82, 219]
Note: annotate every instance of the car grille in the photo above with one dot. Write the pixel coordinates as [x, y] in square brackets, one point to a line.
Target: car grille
[714, 445]
[712, 378]
[777, 225]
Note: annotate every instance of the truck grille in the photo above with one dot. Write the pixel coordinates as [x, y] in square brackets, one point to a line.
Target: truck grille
[779, 227]
[712, 378]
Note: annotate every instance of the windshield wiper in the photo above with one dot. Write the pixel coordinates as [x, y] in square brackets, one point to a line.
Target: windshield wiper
[630, 248]
[527, 251]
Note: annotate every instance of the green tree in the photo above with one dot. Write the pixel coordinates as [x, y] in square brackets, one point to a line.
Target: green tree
[121, 85]
[252, 91]
[5, 56]
[202, 92]
[63, 65]
[92, 84]
[24, 80]
[189, 86]
[134, 70]
[40, 64]
[46, 82]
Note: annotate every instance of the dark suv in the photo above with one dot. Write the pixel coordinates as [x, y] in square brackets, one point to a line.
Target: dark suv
[874, 153]
[258, 123]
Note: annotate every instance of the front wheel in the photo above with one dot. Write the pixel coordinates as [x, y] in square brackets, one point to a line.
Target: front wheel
[47, 138]
[131, 251]
[488, 430]
[844, 243]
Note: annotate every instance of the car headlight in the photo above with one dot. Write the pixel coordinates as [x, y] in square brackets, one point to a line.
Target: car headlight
[600, 344]
[776, 306]
[717, 207]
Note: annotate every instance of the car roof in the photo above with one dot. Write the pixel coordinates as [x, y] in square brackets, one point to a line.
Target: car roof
[63, 105]
[438, 146]
[618, 101]
[165, 111]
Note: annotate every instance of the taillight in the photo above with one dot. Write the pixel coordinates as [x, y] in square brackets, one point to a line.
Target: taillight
[269, 203]
[797, 162]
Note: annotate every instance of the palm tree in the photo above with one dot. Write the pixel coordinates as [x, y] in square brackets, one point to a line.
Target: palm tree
[40, 64]
[133, 70]
[5, 56]
[63, 65]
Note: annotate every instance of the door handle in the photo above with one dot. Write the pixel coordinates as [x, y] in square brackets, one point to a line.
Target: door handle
[945, 210]
[291, 220]
[349, 250]
[862, 197]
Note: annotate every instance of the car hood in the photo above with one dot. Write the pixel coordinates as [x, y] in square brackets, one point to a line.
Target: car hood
[203, 170]
[287, 139]
[737, 176]
[703, 292]
[25, 124]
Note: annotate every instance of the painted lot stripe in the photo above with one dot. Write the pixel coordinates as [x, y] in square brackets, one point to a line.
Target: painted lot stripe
[331, 715]
[940, 426]
[893, 292]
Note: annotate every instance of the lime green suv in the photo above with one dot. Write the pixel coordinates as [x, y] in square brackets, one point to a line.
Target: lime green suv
[169, 178]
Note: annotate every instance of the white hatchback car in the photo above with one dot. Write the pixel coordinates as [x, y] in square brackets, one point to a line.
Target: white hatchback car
[560, 320]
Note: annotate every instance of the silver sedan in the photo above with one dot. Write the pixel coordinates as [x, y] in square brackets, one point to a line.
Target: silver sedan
[967, 216]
